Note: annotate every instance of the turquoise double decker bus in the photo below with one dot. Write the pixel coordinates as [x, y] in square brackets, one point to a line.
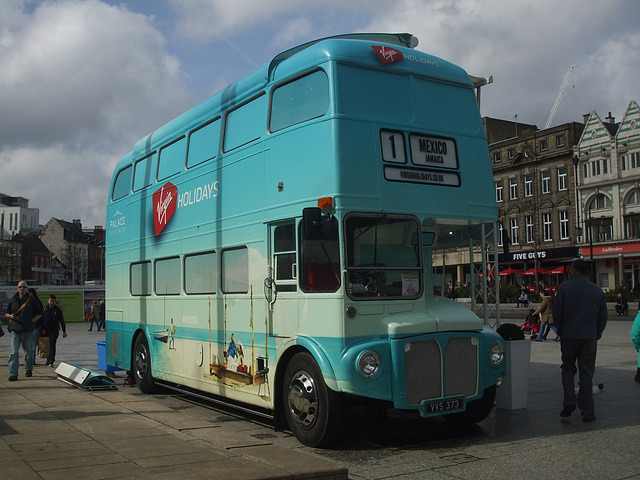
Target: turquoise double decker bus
[274, 245]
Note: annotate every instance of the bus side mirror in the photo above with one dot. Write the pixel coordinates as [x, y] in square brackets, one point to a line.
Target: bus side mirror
[428, 238]
[311, 220]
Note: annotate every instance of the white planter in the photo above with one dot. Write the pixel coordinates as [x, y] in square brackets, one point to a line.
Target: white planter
[512, 394]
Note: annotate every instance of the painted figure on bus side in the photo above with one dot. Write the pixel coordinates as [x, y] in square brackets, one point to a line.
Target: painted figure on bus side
[234, 355]
[172, 333]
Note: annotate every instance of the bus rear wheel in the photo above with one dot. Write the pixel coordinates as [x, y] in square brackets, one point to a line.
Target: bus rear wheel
[313, 411]
[142, 365]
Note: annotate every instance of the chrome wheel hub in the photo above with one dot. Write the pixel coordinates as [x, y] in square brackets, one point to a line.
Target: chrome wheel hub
[303, 399]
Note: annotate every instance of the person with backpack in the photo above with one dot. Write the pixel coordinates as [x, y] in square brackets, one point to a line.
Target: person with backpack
[94, 315]
[20, 314]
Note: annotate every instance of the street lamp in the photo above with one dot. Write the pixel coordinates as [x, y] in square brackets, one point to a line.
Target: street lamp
[102, 264]
[593, 269]
[51, 262]
[576, 160]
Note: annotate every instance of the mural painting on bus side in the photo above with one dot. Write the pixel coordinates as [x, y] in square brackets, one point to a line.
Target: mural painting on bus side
[166, 335]
[231, 369]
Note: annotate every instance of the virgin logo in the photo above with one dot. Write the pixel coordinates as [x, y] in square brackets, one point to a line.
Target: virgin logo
[387, 54]
[164, 206]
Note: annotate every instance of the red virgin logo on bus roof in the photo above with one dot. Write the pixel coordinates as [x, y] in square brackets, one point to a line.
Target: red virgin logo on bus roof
[387, 54]
[164, 205]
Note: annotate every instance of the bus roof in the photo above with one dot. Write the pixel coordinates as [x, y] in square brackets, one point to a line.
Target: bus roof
[398, 39]
[347, 47]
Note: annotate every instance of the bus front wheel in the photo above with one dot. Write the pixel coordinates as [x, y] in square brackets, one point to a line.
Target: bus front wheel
[313, 411]
[142, 365]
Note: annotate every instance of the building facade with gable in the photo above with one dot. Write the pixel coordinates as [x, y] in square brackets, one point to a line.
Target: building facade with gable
[607, 159]
[81, 252]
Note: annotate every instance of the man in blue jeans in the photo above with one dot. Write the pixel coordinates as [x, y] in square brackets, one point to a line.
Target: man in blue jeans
[20, 313]
[580, 313]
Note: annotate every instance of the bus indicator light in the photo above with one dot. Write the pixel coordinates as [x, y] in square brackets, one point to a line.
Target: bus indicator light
[387, 54]
[325, 203]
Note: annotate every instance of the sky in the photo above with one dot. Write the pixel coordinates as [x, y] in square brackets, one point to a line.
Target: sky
[82, 80]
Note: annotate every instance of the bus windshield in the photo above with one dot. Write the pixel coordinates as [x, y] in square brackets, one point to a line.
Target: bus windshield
[383, 256]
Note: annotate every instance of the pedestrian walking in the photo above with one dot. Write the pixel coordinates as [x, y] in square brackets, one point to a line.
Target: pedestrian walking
[580, 314]
[635, 338]
[36, 331]
[20, 313]
[101, 317]
[94, 313]
[545, 310]
[52, 323]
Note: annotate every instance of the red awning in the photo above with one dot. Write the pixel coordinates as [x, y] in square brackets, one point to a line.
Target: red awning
[557, 271]
[510, 271]
[541, 271]
[490, 273]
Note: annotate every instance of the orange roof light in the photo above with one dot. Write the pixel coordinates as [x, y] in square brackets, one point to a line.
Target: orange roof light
[325, 202]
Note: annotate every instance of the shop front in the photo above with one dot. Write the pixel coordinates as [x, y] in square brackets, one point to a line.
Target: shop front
[552, 266]
[615, 264]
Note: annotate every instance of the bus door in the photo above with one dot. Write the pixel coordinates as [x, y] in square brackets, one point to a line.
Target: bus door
[280, 287]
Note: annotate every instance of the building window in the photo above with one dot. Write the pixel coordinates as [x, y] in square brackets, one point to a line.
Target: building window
[512, 152]
[497, 157]
[562, 178]
[528, 185]
[632, 226]
[631, 161]
[560, 141]
[599, 202]
[546, 187]
[633, 198]
[513, 188]
[546, 227]
[544, 145]
[564, 224]
[500, 233]
[514, 231]
[529, 228]
[498, 185]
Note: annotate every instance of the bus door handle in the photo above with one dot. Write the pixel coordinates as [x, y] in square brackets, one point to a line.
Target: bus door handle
[270, 291]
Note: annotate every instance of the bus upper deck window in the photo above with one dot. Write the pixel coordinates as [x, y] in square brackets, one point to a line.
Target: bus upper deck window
[299, 101]
[122, 185]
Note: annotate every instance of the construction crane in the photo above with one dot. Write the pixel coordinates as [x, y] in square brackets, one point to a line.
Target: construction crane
[559, 96]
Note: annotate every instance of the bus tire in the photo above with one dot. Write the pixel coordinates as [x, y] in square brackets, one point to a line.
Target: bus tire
[476, 411]
[141, 367]
[313, 411]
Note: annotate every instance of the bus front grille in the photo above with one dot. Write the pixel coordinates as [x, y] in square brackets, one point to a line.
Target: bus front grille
[424, 375]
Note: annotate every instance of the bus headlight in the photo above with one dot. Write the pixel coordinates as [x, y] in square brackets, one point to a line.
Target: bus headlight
[496, 353]
[369, 364]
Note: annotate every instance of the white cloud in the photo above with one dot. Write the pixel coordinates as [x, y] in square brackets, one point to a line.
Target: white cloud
[62, 183]
[527, 46]
[82, 81]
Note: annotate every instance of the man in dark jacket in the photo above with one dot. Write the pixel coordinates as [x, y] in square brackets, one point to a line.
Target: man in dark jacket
[580, 313]
[20, 313]
[52, 321]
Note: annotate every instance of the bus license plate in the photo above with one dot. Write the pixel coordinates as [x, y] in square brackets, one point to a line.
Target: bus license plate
[446, 405]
